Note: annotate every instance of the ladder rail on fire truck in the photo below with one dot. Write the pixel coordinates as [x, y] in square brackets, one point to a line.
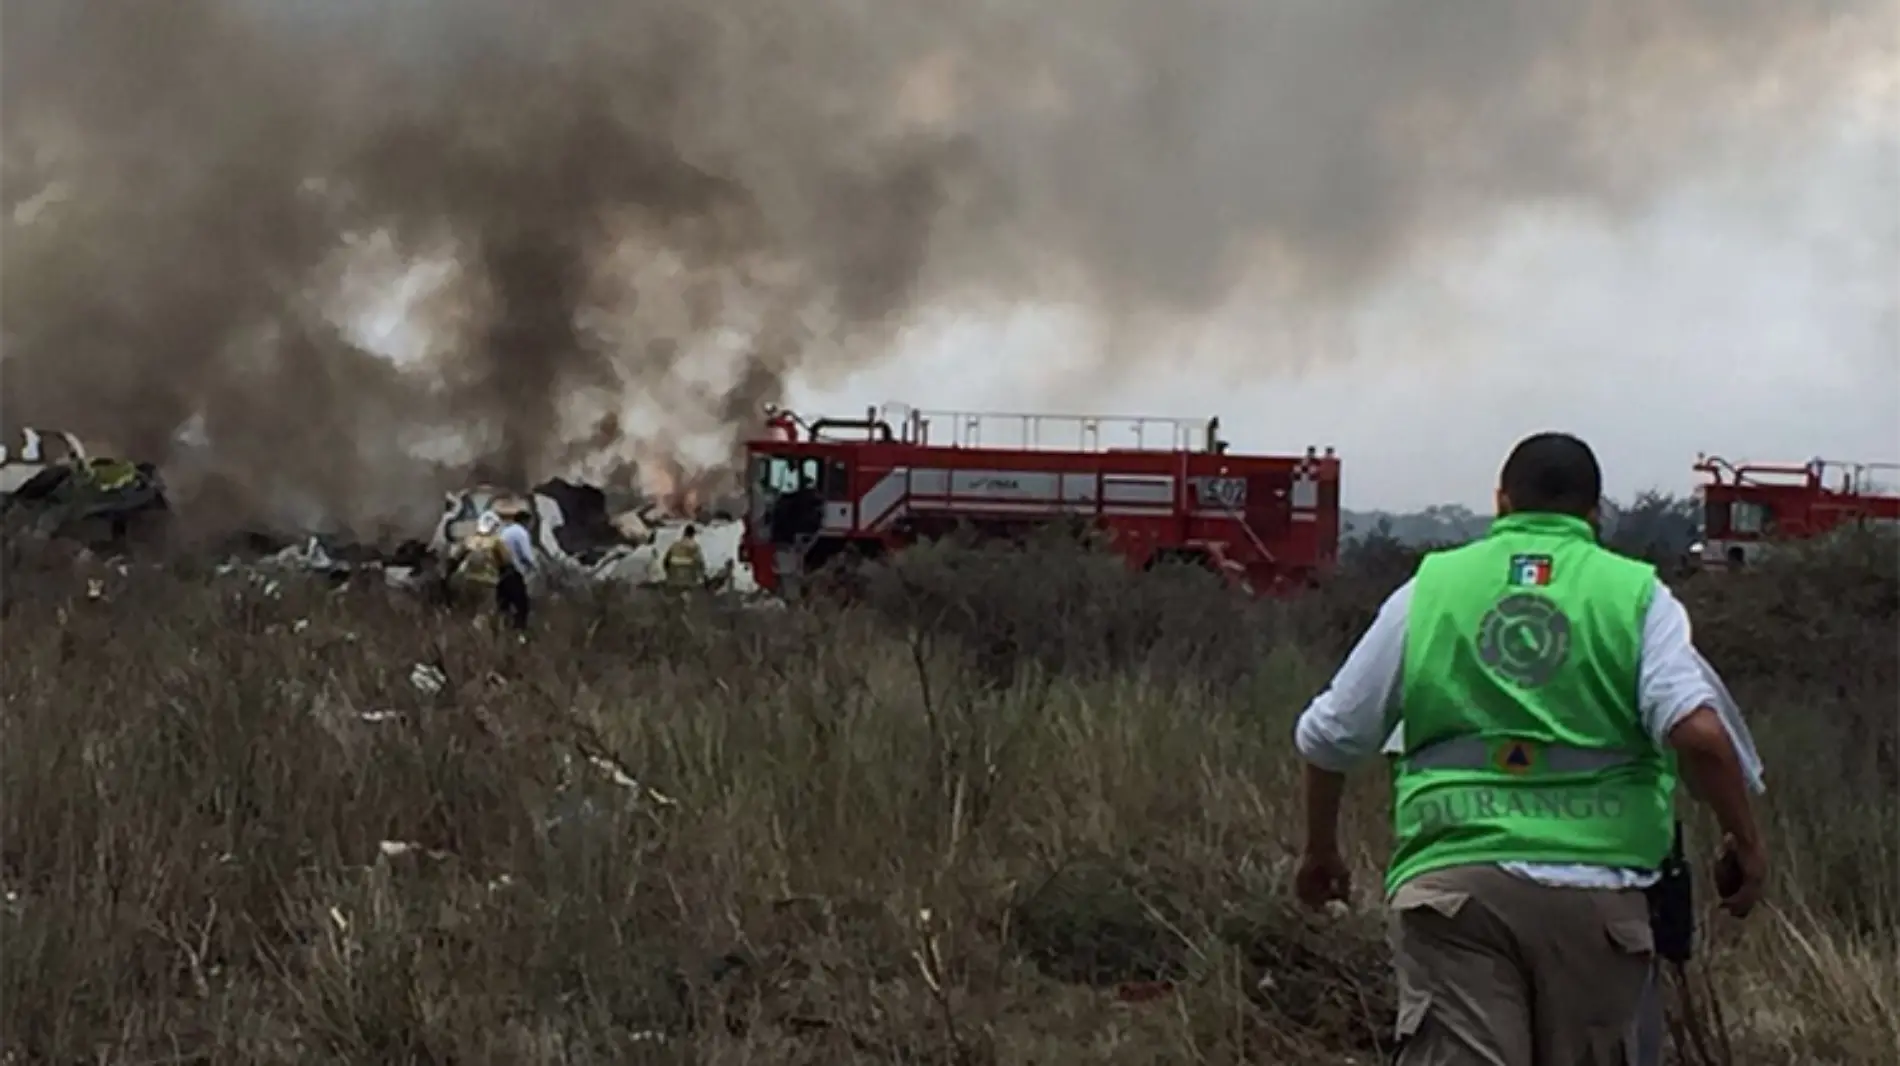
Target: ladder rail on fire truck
[1024, 431]
[1856, 478]
[1088, 432]
[967, 430]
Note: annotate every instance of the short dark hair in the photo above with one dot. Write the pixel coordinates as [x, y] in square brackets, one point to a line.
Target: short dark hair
[690, 530]
[1553, 472]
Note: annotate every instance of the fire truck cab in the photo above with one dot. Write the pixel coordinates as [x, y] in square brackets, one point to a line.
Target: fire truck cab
[1166, 490]
[1746, 507]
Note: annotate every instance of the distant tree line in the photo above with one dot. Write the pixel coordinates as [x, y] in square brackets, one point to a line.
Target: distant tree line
[1655, 526]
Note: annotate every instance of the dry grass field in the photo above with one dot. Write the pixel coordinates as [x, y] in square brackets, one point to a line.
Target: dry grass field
[1012, 808]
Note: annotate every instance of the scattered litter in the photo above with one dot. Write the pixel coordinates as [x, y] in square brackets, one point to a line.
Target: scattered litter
[300, 625]
[614, 772]
[427, 678]
[336, 917]
[378, 716]
[397, 848]
[619, 776]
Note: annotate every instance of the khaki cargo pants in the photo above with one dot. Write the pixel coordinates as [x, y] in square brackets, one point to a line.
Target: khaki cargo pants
[1495, 970]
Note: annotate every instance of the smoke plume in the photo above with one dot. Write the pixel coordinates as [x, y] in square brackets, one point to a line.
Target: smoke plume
[646, 216]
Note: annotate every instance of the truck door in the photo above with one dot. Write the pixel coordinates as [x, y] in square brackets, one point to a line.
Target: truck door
[835, 484]
[790, 499]
[1269, 506]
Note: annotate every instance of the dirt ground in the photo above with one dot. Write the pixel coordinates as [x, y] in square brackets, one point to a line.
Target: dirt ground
[1008, 809]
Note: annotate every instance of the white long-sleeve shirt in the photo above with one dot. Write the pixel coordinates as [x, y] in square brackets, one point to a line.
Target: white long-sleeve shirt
[1357, 716]
[520, 546]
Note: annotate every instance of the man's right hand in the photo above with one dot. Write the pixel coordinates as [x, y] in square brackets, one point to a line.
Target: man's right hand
[1741, 875]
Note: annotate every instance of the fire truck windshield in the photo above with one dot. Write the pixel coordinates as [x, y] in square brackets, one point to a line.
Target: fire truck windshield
[776, 475]
[786, 500]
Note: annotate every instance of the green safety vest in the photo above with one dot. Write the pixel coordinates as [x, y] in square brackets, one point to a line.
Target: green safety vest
[1523, 738]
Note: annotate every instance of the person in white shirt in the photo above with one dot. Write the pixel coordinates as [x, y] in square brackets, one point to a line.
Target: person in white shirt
[1360, 714]
[1682, 671]
[511, 591]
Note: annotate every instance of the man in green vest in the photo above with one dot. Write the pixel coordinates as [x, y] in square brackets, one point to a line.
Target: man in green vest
[1540, 685]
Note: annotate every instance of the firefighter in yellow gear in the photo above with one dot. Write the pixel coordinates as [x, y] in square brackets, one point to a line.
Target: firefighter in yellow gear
[684, 561]
[481, 556]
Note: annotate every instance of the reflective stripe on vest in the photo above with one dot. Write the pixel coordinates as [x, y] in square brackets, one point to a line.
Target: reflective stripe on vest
[1472, 753]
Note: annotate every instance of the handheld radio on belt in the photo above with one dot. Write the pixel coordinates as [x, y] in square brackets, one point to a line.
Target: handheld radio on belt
[1672, 924]
[1672, 905]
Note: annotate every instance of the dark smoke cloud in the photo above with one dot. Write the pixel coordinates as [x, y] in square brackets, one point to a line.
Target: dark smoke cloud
[631, 192]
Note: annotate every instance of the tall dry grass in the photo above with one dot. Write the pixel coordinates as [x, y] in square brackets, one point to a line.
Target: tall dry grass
[1012, 808]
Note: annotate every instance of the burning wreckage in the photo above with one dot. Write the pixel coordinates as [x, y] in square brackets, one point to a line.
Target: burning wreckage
[573, 529]
[52, 488]
[578, 539]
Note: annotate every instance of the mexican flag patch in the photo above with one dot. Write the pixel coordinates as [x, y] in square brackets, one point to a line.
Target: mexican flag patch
[1530, 570]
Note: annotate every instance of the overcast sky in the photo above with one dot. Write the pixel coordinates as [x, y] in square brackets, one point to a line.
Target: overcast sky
[1755, 313]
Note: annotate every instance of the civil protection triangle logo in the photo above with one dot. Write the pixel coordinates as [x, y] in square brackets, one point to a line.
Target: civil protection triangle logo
[1515, 757]
[1530, 570]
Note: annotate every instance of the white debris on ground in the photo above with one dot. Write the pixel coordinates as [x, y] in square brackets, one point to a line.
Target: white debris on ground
[427, 679]
[573, 805]
[310, 557]
[623, 564]
[618, 775]
[719, 541]
[393, 849]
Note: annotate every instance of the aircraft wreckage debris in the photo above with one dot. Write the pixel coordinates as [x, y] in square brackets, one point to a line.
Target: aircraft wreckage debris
[53, 490]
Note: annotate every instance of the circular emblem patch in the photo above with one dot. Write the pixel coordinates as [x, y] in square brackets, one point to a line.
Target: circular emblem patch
[1525, 639]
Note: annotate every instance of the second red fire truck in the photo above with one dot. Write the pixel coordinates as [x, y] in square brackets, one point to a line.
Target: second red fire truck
[1162, 490]
[1746, 507]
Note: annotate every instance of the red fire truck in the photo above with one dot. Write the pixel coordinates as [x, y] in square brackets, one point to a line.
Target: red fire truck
[1747, 506]
[1167, 490]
